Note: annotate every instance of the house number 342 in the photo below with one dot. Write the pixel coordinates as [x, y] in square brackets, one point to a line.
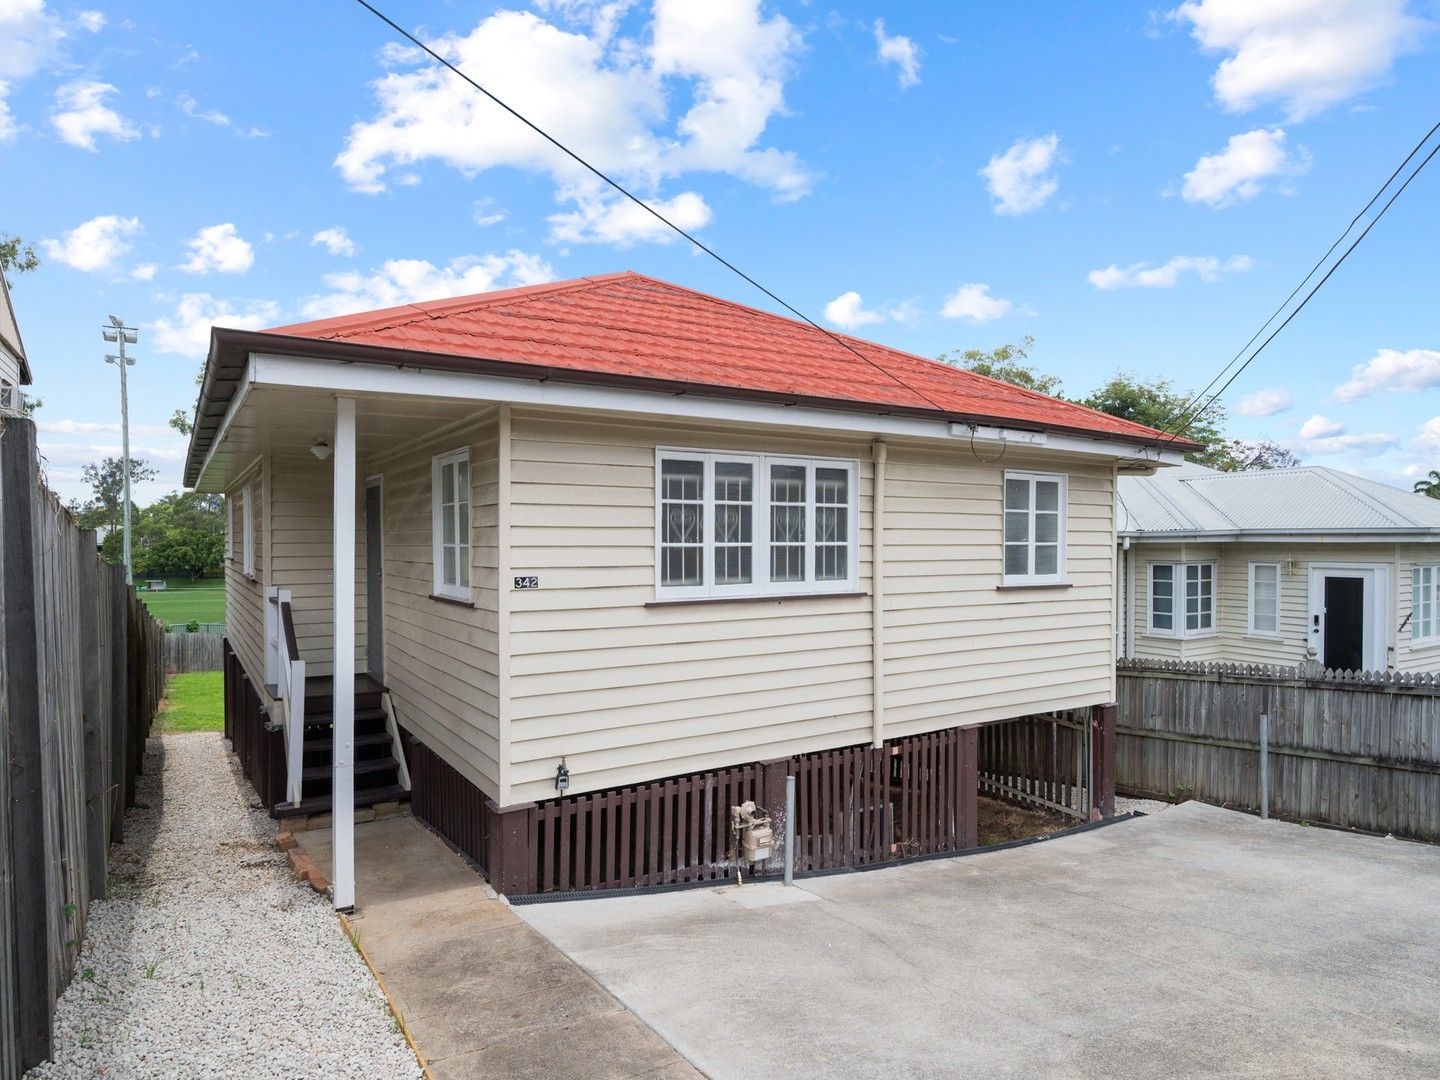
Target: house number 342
[530, 582]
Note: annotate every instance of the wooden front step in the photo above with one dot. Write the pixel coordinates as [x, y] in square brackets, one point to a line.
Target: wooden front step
[377, 772]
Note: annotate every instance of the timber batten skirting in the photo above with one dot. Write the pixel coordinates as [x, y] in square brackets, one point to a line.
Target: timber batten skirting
[855, 806]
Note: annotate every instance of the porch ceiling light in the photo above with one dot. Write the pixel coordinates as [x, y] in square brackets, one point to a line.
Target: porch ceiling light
[321, 449]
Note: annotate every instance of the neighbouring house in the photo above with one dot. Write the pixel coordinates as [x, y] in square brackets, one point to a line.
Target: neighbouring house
[1281, 567]
[14, 367]
[582, 565]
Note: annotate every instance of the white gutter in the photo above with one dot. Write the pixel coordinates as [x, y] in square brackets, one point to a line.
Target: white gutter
[877, 598]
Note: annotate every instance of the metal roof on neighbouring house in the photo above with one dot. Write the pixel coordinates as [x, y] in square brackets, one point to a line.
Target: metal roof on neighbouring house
[627, 329]
[1196, 501]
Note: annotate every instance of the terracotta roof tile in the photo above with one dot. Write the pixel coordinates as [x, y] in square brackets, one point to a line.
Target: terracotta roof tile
[631, 326]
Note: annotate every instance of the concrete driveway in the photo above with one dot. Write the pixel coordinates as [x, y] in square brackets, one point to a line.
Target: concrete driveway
[1194, 942]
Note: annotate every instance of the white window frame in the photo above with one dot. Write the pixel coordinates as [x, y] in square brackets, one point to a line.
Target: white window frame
[760, 585]
[247, 530]
[450, 590]
[229, 530]
[1061, 575]
[1251, 628]
[1178, 598]
[1422, 636]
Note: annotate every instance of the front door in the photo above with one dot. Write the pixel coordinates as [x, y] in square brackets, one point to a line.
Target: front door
[1344, 646]
[374, 580]
[1347, 620]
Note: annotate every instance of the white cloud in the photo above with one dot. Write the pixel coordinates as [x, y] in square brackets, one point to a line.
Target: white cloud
[974, 303]
[191, 108]
[80, 114]
[220, 249]
[1428, 442]
[488, 212]
[604, 219]
[93, 245]
[1267, 402]
[187, 331]
[1392, 371]
[334, 240]
[848, 312]
[1305, 54]
[143, 272]
[606, 97]
[94, 21]
[404, 281]
[900, 51]
[1321, 435]
[1167, 275]
[8, 127]
[90, 427]
[1021, 179]
[1320, 427]
[1241, 170]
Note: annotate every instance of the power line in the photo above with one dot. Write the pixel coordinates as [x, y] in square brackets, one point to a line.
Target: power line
[643, 204]
[1195, 417]
[1375, 221]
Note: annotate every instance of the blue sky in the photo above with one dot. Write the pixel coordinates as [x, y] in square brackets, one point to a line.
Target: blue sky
[1135, 186]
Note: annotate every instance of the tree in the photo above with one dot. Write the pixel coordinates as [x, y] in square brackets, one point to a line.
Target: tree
[181, 420]
[1006, 363]
[16, 257]
[180, 535]
[1158, 404]
[1261, 454]
[1430, 485]
[106, 478]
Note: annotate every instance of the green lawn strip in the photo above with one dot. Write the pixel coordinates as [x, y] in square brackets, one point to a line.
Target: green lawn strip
[184, 601]
[194, 702]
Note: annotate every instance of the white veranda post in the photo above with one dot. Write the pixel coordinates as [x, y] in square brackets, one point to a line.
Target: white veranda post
[343, 886]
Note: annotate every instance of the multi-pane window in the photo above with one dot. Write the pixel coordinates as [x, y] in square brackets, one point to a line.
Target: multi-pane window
[450, 525]
[247, 531]
[1425, 603]
[1034, 528]
[750, 525]
[1265, 599]
[1182, 599]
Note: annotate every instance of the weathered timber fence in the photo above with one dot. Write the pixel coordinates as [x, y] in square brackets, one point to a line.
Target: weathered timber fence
[1354, 749]
[81, 670]
[1042, 762]
[194, 652]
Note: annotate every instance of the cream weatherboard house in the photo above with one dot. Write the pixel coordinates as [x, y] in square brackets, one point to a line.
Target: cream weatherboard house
[14, 367]
[578, 565]
[1282, 567]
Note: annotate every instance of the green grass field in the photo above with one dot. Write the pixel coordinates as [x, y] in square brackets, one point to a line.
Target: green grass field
[194, 703]
[183, 601]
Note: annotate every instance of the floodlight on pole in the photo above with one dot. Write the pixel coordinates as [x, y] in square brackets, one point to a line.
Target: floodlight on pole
[123, 335]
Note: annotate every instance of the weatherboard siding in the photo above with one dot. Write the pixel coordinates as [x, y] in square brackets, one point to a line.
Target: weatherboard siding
[245, 596]
[1235, 643]
[628, 692]
[302, 557]
[441, 658]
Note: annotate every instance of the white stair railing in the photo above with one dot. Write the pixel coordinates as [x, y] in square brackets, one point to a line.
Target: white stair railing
[290, 685]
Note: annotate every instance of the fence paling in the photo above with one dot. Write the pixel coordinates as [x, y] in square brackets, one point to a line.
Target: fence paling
[81, 665]
[194, 652]
[1359, 750]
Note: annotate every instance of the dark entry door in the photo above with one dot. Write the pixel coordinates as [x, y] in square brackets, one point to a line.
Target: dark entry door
[1345, 623]
[374, 582]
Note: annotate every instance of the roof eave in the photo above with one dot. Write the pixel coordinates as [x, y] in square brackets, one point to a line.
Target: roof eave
[230, 348]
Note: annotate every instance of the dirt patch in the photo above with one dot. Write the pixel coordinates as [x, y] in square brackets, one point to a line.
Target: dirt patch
[1001, 822]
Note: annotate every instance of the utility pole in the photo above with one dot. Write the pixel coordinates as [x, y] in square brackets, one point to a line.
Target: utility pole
[123, 335]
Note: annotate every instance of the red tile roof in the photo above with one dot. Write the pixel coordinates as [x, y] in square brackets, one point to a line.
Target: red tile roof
[628, 326]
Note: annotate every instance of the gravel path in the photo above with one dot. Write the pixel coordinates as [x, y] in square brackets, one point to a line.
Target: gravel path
[207, 960]
[1145, 806]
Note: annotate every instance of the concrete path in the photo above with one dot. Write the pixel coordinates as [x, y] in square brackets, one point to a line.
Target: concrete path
[1196, 942]
[482, 993]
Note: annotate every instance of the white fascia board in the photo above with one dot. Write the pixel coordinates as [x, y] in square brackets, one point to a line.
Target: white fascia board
[303, 373]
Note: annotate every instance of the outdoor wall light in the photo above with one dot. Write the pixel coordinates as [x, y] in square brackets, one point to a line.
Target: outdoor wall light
[562, 777]
[321, 450]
